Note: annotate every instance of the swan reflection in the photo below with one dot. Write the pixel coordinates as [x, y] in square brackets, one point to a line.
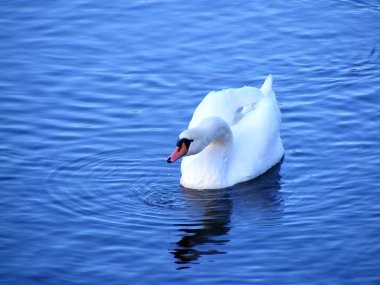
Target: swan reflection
[211, 212]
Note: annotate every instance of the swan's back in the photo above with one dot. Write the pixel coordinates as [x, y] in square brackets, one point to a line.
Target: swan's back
[224, 103]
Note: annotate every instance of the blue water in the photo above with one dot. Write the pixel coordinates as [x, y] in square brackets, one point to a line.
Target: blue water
[93, 95]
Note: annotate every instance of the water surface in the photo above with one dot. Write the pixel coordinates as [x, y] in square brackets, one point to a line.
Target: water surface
[93, 96]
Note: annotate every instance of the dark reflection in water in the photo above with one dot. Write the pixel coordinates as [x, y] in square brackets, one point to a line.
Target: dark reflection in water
[208, 234]
[210, 229]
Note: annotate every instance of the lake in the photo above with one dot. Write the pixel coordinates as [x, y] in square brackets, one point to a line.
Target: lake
[93, 95]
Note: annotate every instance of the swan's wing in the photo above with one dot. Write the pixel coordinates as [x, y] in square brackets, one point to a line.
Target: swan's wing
[257, 143]
[224, 104]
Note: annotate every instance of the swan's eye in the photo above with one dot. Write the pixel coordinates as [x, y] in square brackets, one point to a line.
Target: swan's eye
[182, 141]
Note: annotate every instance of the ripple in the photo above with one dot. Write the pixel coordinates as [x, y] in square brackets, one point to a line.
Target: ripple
[115, 188]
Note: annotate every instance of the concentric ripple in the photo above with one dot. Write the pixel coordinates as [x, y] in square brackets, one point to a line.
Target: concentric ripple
[115, 187]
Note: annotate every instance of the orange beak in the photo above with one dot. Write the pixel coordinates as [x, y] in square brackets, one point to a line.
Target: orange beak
[177, 153]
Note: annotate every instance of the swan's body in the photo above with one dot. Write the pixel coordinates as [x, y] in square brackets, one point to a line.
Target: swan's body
[224, 147]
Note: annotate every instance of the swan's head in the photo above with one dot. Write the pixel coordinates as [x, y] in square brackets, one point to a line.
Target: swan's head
[189, 142]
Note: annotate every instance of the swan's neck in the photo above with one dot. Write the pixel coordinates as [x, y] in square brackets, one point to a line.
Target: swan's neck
[208, 169]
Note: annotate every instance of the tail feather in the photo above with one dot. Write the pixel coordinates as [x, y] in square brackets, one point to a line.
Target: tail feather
[266, 89]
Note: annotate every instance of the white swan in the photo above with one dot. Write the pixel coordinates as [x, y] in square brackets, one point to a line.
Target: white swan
[234, 136]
